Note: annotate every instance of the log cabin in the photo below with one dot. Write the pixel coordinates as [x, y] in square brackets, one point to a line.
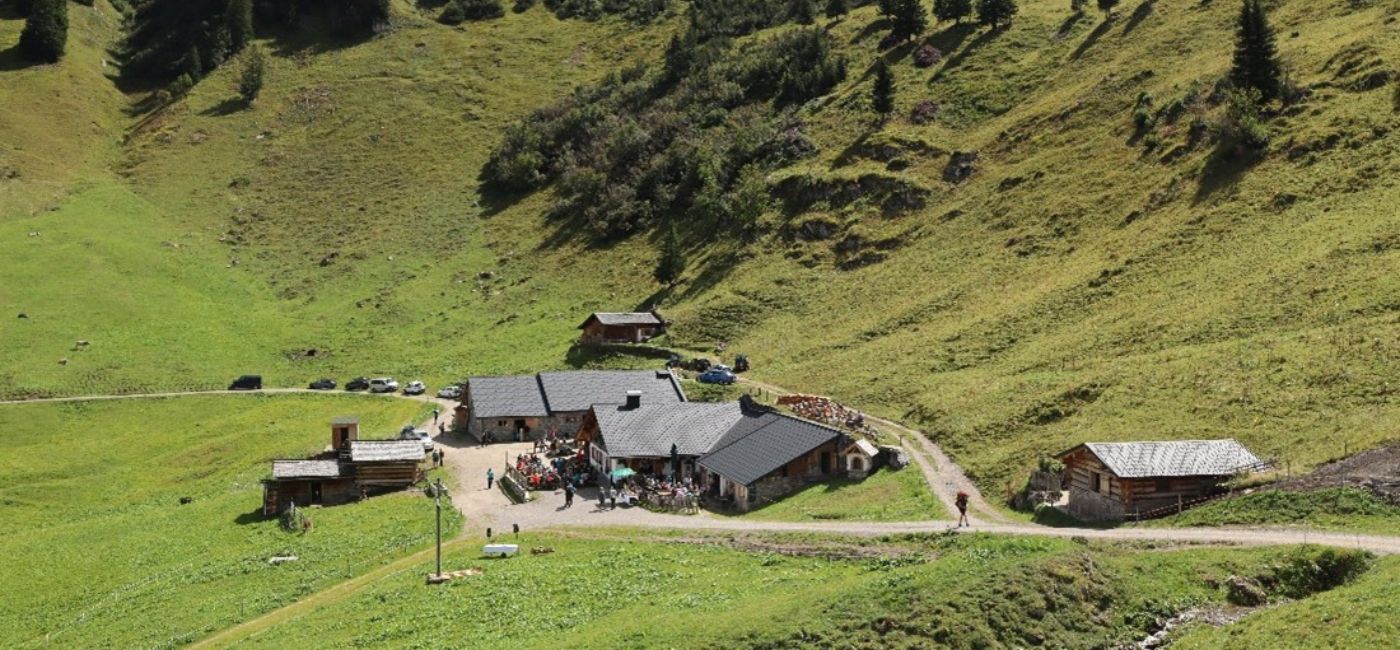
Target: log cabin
[613, 327]
[349, 469]
[1112, 480]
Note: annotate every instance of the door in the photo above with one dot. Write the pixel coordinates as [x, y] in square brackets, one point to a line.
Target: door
[316, 492]
[826, 462]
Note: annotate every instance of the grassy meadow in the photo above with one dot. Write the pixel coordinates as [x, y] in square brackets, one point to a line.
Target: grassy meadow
[98, 551]
[1346, 509]
[685, 591]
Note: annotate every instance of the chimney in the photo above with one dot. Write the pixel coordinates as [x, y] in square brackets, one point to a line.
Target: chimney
[343, 430]
[634, 399]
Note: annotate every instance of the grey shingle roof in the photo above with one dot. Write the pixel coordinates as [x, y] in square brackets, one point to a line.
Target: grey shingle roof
[577, 390]
[1174, 458]
[368, 451]
[293, 469]
[649, 431]
[763, 441]
[503, 397]
[617, 318]
[346, 419]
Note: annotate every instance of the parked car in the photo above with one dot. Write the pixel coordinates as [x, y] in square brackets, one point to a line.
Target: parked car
[415, 388]
[358, 383]
[323, 384]
[408, 433]
[450, 392]
[717, 376]
[247, 382]
[383, 385]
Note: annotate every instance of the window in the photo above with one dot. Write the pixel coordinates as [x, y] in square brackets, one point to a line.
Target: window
[500, 423]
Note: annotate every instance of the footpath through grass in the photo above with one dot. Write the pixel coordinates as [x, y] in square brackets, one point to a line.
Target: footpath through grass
[96, 550]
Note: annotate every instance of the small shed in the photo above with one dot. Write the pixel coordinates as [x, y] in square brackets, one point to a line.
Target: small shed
[860, 458]
[307, 482]
[1109, 480]
[620, 327]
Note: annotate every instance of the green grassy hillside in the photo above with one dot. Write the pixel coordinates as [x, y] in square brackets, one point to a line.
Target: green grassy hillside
[98, 551]
[1087, 281]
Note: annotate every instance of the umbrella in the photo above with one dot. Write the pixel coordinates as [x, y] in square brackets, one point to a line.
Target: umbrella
[675, 462]
[623, 472]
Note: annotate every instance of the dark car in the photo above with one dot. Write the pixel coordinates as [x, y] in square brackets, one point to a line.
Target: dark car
[247, 382]
[358, 383]
[323, 384]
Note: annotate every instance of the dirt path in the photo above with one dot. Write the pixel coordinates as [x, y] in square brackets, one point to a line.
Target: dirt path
[944, 477]
[264, 391]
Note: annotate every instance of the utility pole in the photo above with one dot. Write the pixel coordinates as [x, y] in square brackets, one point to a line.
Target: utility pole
[437, 501]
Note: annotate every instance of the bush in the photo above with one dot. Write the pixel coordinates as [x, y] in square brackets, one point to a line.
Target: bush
[250, 80]
[924, 112]
[1309, 571]
[479, 9]
[453, 13]
[1241, 124]
[927, 56]
[522, 6]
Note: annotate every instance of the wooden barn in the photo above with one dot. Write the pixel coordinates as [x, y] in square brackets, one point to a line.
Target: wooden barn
[1113, 480]
[352, 468]
[613, 327]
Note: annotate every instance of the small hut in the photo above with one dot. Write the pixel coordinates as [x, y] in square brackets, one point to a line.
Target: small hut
[614, 327]
[1111, 480]
[860, 458]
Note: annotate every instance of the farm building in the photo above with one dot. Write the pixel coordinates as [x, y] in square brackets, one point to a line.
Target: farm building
[860, 458]
[350, 469]
[613, 327]
[1113, 480]
[525, 407]
[737, 450]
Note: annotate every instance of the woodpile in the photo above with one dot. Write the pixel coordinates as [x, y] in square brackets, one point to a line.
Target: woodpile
[828, 411]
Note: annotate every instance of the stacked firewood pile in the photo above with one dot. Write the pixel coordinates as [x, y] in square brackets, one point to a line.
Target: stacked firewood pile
[828, 411]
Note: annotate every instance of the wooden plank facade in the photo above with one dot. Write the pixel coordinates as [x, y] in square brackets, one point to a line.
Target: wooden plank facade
[1085, 471]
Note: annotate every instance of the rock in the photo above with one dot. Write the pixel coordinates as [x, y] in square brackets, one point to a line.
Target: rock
[280, 559]
[1245, 592]
[63, 361]
[184, 501]
[24, 316]
[329, 258]
[960, 166]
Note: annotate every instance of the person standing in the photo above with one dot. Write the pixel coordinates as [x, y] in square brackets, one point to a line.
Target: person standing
[568, 494]
[435, 415]
[961, 502]
[490, 477]
[442, 428]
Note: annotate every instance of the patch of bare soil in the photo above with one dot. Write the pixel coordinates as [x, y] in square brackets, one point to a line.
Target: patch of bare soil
[1376, 471]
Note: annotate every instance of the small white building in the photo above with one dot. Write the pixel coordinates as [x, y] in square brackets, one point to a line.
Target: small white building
[860, 458]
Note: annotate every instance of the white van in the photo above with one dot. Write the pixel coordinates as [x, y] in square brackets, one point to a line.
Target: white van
[383, 385]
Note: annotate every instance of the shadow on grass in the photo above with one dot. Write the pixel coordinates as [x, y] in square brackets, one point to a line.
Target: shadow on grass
[824, 489]
[957, 59]
[871, 29]
[1140, 14]
[13, 59]
[1223, 170]
[1069, 24]
[252, 517]
[1056, 518]
[227, 107]
[581, 356]
[1093, 38]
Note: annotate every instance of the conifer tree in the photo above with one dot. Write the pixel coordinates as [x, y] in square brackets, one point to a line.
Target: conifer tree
[994, 13]
[45, 33]
[836, 8]
[910, 19]
[954, 10]
[882, 93]
[192, 64]
[803, 12]
[250, 79]
[240, 23]
[887, 7]
[672, 262]
[1256, 55]
[1106, 6]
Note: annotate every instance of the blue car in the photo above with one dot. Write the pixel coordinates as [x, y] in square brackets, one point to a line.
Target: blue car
[717, 376]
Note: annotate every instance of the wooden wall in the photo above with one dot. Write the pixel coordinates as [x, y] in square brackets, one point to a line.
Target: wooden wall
[1142, 493]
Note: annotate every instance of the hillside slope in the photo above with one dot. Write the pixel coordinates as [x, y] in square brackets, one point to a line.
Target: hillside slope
[1085, 281]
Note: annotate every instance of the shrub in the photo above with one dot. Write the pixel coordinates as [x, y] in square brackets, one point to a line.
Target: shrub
[1309, 572]
[1142, 118]
[453, 13]
[995, 13]
[45, 34]
[250, 79]
[480, 9]
[927, 56]
[1241, 123]
[521, 6]
[924, 112]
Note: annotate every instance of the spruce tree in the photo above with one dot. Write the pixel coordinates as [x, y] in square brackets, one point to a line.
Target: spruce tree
[887, 7]
[882, 93]
[250, 79]
[994, 13]
[954, 10]
[45, 32]
[1256, 55]
[1106, 6]
[192, 64]
[672, 262]
[803, 12]
[910, 19]
[836, 8]
[240, 24]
